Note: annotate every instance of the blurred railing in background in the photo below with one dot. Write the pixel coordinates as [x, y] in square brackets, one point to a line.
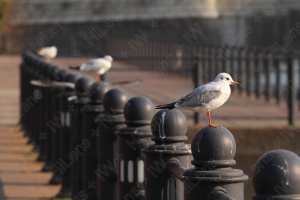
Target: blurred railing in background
[262, 72]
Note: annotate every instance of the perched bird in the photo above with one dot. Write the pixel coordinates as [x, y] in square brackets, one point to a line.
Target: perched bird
[205, 97]
[99, 65]
[48, 52]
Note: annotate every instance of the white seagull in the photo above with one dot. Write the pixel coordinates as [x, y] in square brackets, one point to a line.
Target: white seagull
[205, 97]
[99, 65]
[48, 52]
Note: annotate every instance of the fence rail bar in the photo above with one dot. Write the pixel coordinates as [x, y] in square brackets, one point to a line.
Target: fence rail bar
[176, 169]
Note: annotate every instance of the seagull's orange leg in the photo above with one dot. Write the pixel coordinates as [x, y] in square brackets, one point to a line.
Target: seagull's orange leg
[98, 78]
[209, 122]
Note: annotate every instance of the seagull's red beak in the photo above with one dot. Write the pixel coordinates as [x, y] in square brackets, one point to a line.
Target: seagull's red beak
[234, 83]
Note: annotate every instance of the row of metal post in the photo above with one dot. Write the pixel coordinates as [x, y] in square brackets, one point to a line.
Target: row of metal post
[100, 145]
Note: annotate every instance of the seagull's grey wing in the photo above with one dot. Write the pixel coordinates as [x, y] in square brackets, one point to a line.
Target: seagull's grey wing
[91, 65]
[99, 65]
[198, 97]
[88, 66]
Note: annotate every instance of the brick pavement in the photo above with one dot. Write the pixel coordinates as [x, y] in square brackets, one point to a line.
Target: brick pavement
[20, 173]
[9, 89]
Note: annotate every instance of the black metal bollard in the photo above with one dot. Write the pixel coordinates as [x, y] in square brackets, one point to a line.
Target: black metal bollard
[64, 164]
[108, 122]
[27, 99]
[78, 145]
[44, 116]
[213, 178]
[36, 106]
[51, 112]
[56, 124]
[169, 129]
[90, 134]
[276, 176]
[41, 115]
[138, 113]
[22, 69]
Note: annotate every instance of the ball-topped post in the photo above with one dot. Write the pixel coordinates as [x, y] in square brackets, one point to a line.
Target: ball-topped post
[108, 122]
[138, 112]
[46, 106]
[97, 91]
[59, 75]
[114, 101]
[82, 91]
[82, 86]
[71, 77]
[169, 126]
[213, 146]
[52, 113]
[89, 113]
[169, 129]
[276, 176]
[213, 151]
[66, 108]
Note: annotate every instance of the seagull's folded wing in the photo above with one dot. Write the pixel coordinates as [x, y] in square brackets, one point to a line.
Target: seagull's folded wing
[199, 97]
[92, 65]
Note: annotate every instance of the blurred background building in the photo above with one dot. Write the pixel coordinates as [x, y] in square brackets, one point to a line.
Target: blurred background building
[82, 26]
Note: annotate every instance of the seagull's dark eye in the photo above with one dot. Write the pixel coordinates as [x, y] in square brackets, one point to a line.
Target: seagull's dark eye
[222, 78]
[227, 79]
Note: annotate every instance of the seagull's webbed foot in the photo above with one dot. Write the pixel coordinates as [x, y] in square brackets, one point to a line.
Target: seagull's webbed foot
[213, 125]
[209, 121]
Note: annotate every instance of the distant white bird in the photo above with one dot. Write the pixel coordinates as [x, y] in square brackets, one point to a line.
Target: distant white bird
[100, 66]
[48, 52]
[206, 97]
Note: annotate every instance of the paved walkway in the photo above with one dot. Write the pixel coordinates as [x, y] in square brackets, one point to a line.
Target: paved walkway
[9, 89]
[20, 173]
[20, 176]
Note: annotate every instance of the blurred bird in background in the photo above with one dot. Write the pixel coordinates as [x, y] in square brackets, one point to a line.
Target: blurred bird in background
[99, 66]
[48, 52]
